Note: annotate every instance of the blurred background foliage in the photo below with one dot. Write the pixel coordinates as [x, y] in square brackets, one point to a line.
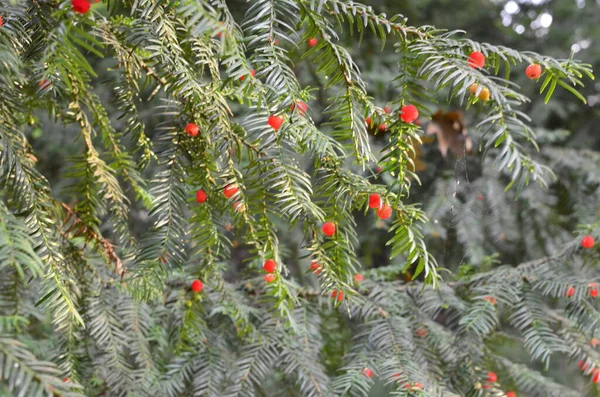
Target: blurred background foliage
[473, 222]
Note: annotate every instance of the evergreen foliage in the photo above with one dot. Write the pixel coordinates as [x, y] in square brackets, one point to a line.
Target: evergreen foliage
[95, 298]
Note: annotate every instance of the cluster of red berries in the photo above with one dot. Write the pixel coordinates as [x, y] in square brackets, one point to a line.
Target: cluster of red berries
[476, 60]
[384, 210]
[595, 373]
[339, 295]
[270, 266]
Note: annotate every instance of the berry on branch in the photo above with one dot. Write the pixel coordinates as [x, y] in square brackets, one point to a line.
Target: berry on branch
[197, 286]
[300, 106]
[409, 113]
[374, 201]
[80, 6]
[384, 212]
[315, 267]
[533, 71]
[368, 373]
[484, 94]
[593, 290]
[492, 377]
[571, 292]
[269, 278]
[328, 229]
[252, 73]
[476, 60]
[312, 42]
[358, 277]
[511, 394]
[200, 196]
[269, 266]
[587, 242]
[191, 129]
[369, 121]
[229, 191]
[337, 294]
[275, 122]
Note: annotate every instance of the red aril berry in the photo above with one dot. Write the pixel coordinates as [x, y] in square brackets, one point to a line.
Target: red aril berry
[43, 84]
[473, 88]
[490, 299]
[358, 277]
[269, 266]
[252, 73]
[197, 286]
[191, 129]
[229, 191]
[275, 122]
[239, 207]
[422, 332]
[369, 121]
[594, 342]
[269, 278]
[378, 169]
[276, 41]
[387, 109]
[80, 6]
[339, 295]
[409, 113]
[480, 197]
[476, 60]
[312, 42]
[368, 373]
[583, 365]
[300, 107]
[384, 212]
[200, 196]
[383, 127]
[374, 201]
[587, 242]
[596, 376]
[571, 292]
[1, 21]
[328, 229]
[315, 267]
[492, 377]
[65, 380]
[511, 394]
[593, 290]
[533, 71]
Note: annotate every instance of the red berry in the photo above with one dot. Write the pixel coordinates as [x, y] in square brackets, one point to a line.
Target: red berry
[583, 365]
[476, 60]
[571, 292]
[269, 278]
[315, 267]
[65, 380]
[252, 73]
[197, 286]
[270, 266]
[492, 377]
[328, 229]
[312, 42]
[374, 201]
[533, 71]
[43, 84]
[229, 191]
[368, 373]
[80, 6]
[422, 332]
[301, 107]
[409, 113]
[383, 127]
[596, 376]
[594, 342]
[587, 242]
[387, 109]
[337, 294]
[191, 129]
[480, 197]
[490, 299]
[276, 41]
[511, 394]
[384, 212]
[593, 290]
[275, 122]
[378, 169]
[368, 120]
[358, 277]
[237, 206]
[1, 21]
[200, 196]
